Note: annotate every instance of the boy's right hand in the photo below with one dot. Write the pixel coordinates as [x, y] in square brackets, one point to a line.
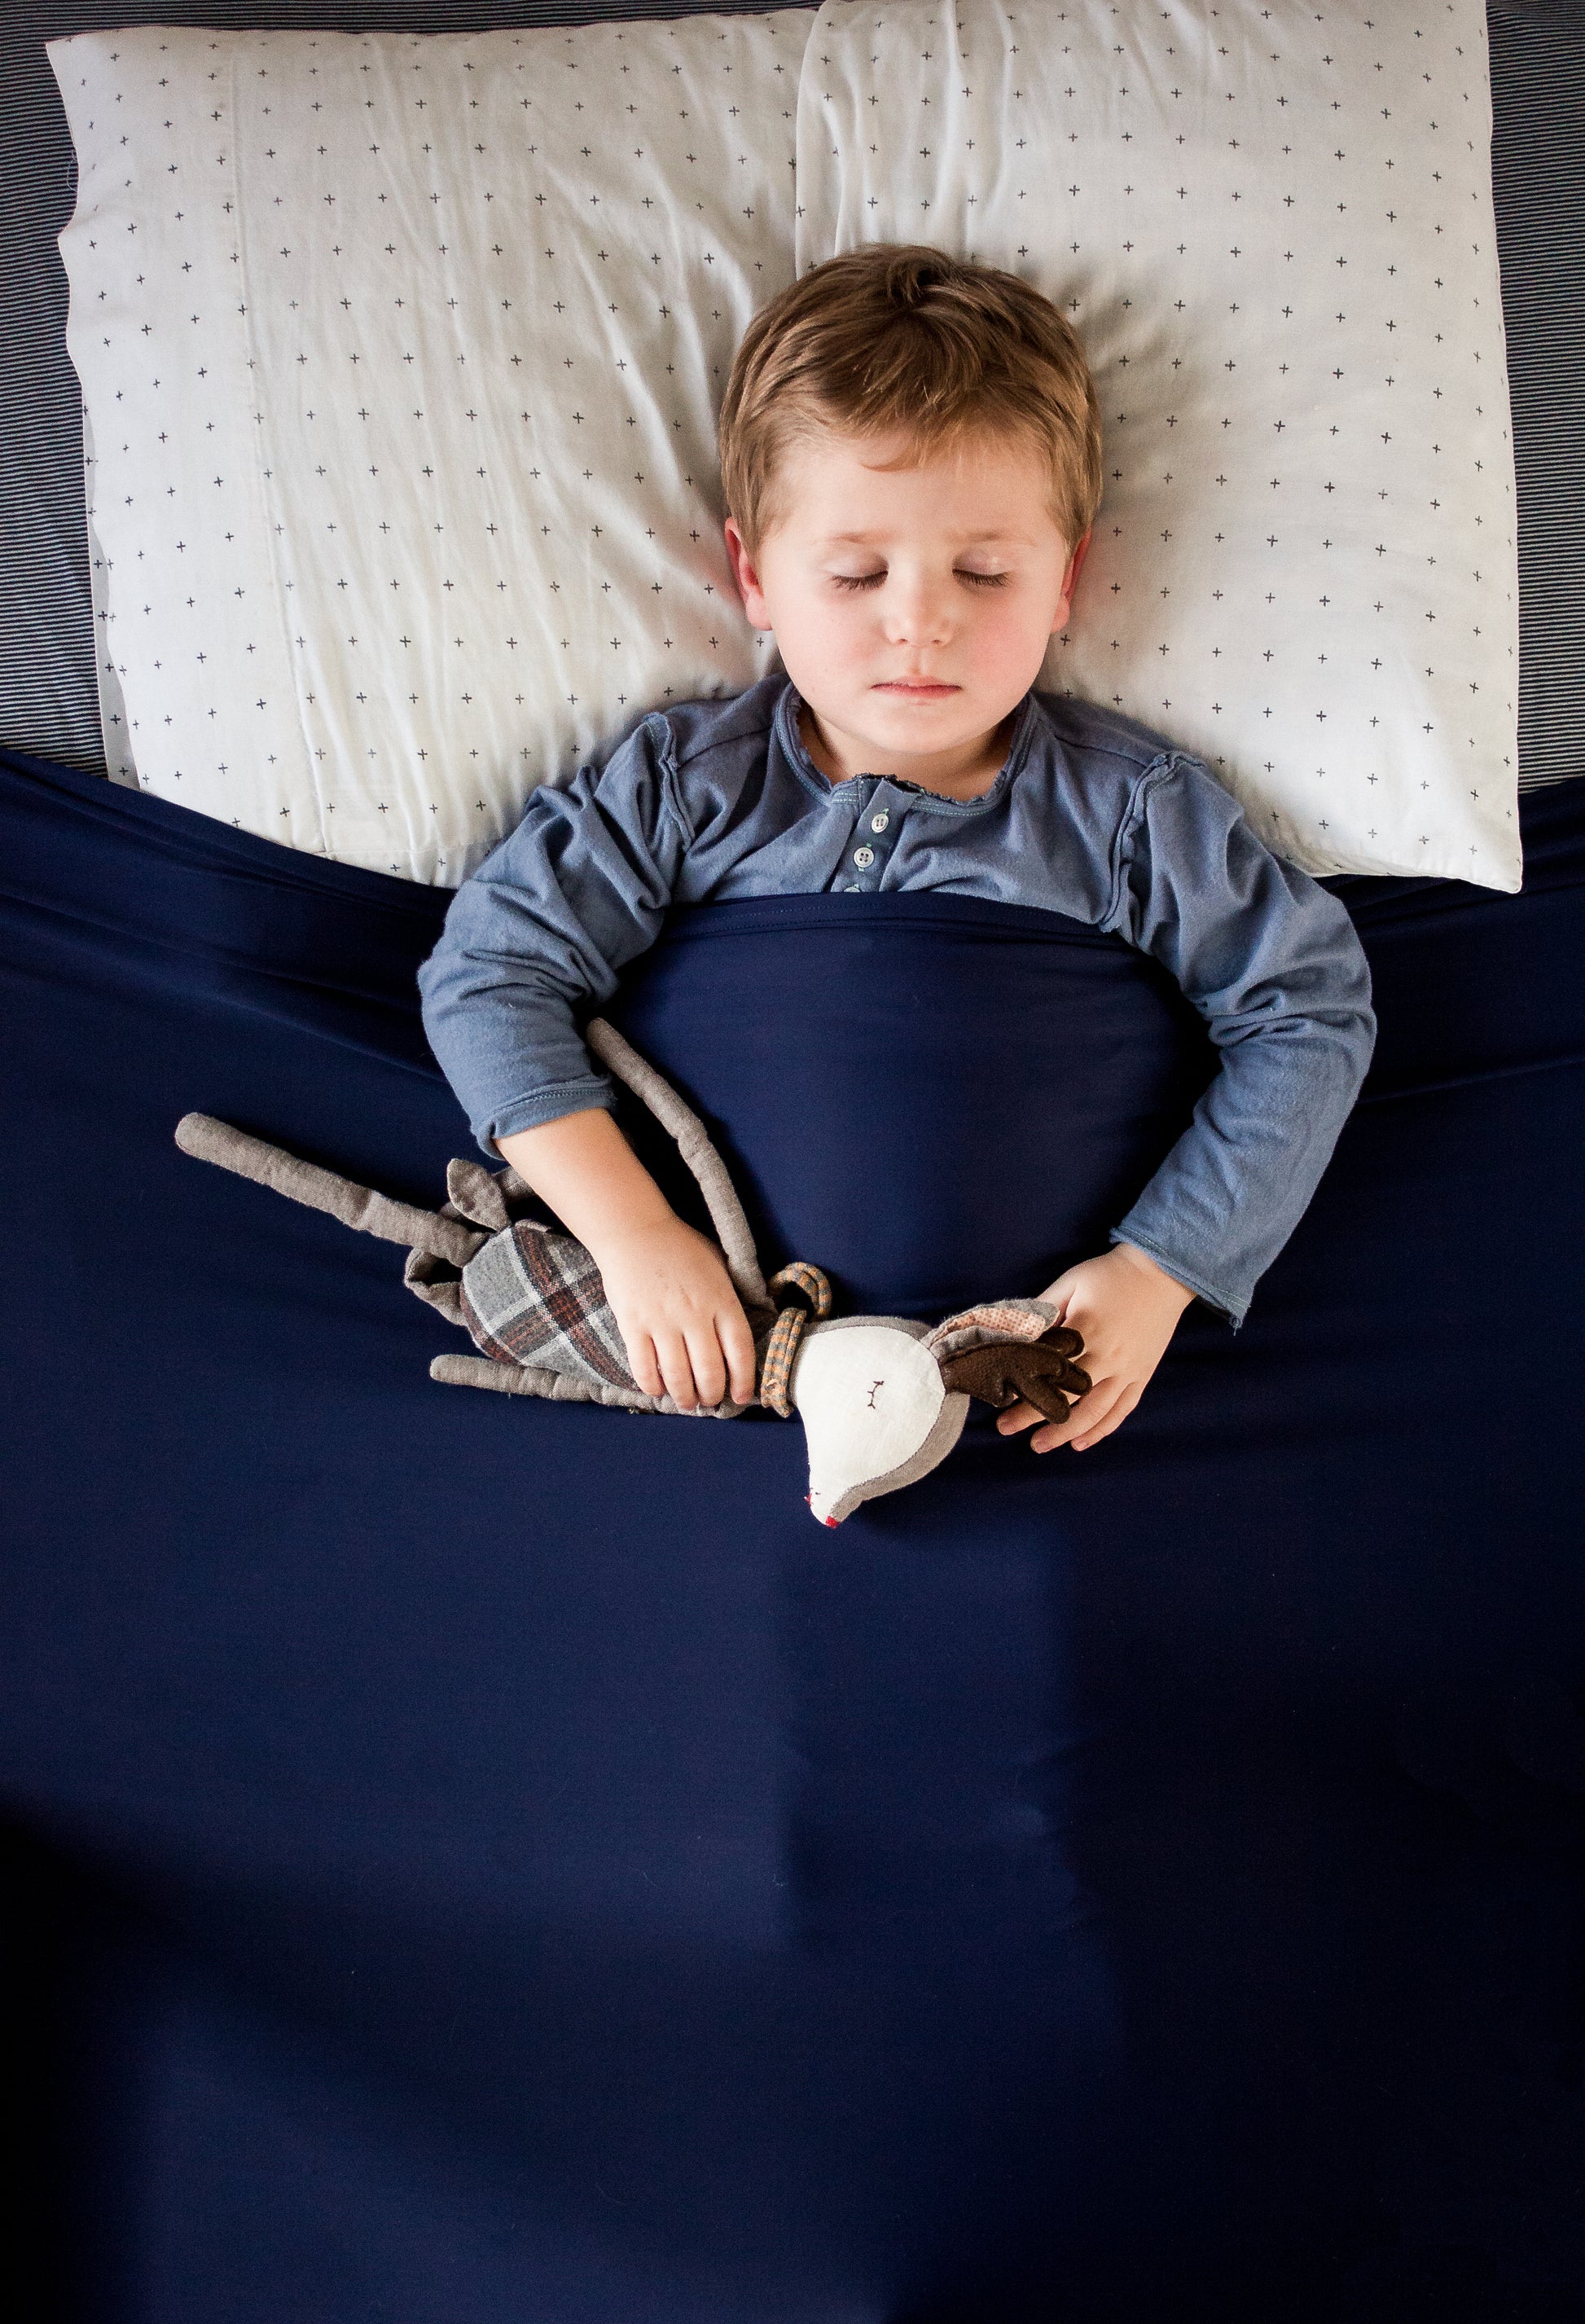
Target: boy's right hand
[683, 1324]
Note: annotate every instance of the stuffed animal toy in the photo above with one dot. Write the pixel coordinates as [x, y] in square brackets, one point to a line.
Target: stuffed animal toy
[882, 1400]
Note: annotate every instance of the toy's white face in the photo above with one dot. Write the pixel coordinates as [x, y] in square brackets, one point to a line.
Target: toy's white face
[912, 603]
[870, 1397]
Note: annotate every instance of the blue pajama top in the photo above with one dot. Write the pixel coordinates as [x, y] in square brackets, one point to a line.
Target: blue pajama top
[1091, 814]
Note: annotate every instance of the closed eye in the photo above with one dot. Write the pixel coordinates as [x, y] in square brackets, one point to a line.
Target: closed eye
[873, 580]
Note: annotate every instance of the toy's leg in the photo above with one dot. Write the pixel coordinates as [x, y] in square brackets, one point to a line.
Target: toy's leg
[559, 1387]
[481, 1372]
[200, 1135]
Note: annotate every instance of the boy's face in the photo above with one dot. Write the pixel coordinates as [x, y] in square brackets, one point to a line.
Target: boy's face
[912, 604]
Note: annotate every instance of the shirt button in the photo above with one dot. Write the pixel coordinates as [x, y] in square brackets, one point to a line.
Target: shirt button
[864, 857]
[879, 822]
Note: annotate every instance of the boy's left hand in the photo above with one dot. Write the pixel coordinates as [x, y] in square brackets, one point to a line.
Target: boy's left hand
[1128, 1309]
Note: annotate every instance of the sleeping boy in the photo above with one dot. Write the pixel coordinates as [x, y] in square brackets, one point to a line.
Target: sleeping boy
[911, 449]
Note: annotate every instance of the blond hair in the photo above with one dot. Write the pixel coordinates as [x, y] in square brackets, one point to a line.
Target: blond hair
[897, 338]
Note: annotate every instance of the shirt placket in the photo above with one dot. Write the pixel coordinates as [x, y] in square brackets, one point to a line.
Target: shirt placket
[875, 835]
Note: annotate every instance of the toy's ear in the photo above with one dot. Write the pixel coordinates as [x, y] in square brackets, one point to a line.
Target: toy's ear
[474, 1192]
[875, 1410]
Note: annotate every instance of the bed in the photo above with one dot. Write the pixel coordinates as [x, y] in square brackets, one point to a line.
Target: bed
[474, 1860]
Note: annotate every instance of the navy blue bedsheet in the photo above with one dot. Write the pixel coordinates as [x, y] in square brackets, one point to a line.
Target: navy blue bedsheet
[479, 1862]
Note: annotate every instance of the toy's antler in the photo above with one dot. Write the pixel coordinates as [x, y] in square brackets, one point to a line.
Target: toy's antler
[1008, 1350]
[209, 1140]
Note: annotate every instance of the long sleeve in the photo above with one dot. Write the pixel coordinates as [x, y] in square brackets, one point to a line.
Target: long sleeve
[1273, 965]
[539, 933]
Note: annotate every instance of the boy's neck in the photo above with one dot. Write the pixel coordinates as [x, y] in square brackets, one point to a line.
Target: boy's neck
[966, 773]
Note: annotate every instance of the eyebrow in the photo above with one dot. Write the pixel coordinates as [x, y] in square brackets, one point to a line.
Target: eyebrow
[964, 540]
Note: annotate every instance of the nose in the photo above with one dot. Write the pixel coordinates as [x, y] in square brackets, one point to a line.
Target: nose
[917, 612]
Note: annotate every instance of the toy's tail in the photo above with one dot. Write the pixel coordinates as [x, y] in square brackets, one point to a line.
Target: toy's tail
[199, 1134]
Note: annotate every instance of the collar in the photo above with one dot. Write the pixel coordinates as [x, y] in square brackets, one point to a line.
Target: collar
[785, 726]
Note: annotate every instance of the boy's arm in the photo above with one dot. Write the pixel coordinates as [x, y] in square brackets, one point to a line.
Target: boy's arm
[1272, 963]
[532, 943]
[535, 941]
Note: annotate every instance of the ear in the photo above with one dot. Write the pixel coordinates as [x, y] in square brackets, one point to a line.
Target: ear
[471, 1189]
[1070, 581]
[746, 577]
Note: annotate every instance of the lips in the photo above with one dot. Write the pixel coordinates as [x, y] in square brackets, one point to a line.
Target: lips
[922, 689]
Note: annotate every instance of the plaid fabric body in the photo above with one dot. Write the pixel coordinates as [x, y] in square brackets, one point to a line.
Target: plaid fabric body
[533, 1296]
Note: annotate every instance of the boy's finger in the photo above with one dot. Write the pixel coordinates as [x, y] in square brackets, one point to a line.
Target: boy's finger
[1084, 1409]
[1057, 1431]
[1086, 1415]
[672, 1355]
[704, 1360]
[643, 1364]
[1079, 1416]
[737, 1345]
[1114, 1420]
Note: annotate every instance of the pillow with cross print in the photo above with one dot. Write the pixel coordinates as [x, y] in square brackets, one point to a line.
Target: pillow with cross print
[401, 355]
[1271, 223]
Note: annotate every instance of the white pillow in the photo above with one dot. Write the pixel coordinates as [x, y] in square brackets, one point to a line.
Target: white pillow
[357, 602]
[1272, 227]
[401, 359]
